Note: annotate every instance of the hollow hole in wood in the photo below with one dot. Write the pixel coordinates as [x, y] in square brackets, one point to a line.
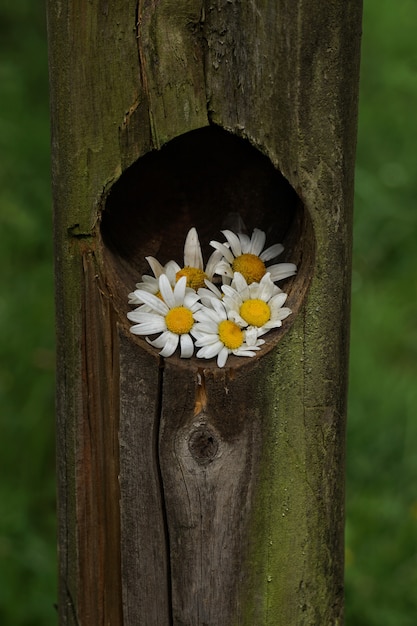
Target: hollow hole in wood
[199, 179]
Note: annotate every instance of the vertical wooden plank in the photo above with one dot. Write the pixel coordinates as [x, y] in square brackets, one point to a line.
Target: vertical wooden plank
[97, 460]
[144, 546]
[99, 123]
[209, 442]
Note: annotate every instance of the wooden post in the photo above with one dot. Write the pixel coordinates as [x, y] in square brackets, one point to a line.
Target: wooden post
[189, 494]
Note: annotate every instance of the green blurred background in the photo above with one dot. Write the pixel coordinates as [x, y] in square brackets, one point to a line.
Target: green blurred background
[381, 532]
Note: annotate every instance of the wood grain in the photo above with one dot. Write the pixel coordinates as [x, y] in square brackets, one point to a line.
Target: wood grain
[97, 460]
[209, 441]
[144, 544]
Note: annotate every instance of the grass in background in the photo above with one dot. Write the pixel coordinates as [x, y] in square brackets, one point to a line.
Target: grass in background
[27, 465]
[381, 538]
[381, 531]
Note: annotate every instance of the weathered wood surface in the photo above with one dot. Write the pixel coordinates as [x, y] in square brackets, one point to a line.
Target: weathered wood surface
[189, 495]
[97, 459]
[210, 440]
[144, 554]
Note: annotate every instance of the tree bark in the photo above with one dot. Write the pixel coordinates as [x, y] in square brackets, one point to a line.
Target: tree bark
[189, 495]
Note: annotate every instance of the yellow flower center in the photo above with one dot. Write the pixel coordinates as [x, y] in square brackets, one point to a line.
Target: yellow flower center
[230, 334]
[195, 277]
[255, 312]
[179, 320]
[250, 266]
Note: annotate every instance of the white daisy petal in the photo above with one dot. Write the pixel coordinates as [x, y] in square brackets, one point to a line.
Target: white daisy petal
[208, 351]
[222, 357]
[235, 317]
[264, 330]
[224, 269]
[277, 323]
[206, 314]
[251, 336]
[147, 280]
[229, 291]
[257, 242]
[281, 271]
[244, 242]
[149, 328]
[278, 300]
[132, 299]
[139, 316]
[171, 270]
[155, 266]
[205, 327]
[272, 252]
[267, 288]
[197, 335]
[191, 298]
[152, 301]
[213, 261]
[231, 296]
[250, 352]
[224, 250]
[170, 345]
[205, 338]
[192, 250]
[241, 286]
[281, 314]
[232, 303]
[234, 242]
[160, 341]
[179, 291]
[187, 346]
[219, 308]
[166, 291]
[206, 295]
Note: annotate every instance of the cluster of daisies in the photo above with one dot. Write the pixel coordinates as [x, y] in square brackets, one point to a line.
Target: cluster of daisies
[222, 308]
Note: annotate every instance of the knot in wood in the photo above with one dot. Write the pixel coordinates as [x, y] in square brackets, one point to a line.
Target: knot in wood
[203, 445]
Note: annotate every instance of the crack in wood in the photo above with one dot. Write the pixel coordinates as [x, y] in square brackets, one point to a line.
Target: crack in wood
[161, 485]
[70, 603]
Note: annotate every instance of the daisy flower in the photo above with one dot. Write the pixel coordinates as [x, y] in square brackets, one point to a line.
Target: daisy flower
[172, 315]
[258, 307]
[248, 257]
[193, 270]
[151, 283]
[218, 336]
